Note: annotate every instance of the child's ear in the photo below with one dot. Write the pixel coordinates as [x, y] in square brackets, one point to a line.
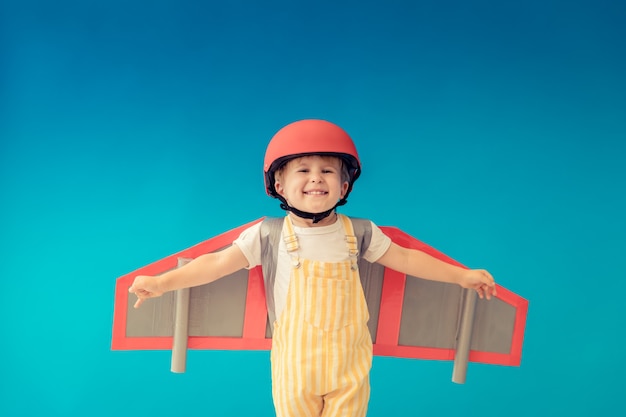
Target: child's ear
[344, 188]
[279, 189]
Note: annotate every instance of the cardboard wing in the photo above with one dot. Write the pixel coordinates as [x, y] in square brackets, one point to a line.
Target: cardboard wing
[409, 317]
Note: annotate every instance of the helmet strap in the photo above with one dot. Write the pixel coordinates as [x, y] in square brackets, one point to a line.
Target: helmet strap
[316, 217]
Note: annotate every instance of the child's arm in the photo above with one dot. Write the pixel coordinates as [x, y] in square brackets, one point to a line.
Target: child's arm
[419, 264]
[202, 270]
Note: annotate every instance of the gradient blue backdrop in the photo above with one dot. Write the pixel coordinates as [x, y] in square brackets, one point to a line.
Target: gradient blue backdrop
[494, 131]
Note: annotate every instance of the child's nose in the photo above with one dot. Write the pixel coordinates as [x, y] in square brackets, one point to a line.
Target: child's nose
[316, 177]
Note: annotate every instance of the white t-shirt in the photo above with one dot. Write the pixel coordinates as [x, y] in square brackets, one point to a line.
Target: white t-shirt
[325, 243]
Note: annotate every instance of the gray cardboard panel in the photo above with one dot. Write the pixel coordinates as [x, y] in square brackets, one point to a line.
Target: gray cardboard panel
[372, 282]
[218, 308]
[494, 321]
[430, 314]
[154, 318]
[215, 309]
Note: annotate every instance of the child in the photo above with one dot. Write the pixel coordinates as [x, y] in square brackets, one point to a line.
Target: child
[321, 346]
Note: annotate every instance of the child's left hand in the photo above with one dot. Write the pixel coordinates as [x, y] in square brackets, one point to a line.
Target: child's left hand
[479, 280]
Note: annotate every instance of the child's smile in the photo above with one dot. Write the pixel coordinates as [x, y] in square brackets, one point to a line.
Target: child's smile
[315, 192]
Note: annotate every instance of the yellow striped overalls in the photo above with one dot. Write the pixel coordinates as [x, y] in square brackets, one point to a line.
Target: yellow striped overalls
[322, 348]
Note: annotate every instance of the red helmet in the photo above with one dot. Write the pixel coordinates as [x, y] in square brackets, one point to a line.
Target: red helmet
[310, 137]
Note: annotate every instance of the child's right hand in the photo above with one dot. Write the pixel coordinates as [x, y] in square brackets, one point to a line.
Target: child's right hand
[145, 287]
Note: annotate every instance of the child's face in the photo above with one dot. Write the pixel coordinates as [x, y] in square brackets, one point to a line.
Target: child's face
[312, 183]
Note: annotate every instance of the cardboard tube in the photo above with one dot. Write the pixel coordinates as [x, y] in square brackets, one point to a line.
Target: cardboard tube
[464, 338]
[181, 326]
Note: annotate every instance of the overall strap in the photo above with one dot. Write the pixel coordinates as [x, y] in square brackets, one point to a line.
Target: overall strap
[291, 242]
[351, 241]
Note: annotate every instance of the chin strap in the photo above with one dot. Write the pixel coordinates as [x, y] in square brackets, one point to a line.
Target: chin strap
[316, 217]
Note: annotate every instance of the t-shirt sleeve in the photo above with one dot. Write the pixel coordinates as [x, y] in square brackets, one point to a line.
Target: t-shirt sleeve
[249, 242]
[379, 244]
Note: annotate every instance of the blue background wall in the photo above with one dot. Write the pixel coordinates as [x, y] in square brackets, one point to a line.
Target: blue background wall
[130, 130]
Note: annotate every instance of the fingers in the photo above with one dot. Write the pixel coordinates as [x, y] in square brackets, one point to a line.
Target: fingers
[484, 291]
[141, 294]
[491, 286]
[487, 287]
[138, 302]
[140, 299]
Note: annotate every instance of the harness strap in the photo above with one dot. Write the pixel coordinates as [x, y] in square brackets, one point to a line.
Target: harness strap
[271, 228]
